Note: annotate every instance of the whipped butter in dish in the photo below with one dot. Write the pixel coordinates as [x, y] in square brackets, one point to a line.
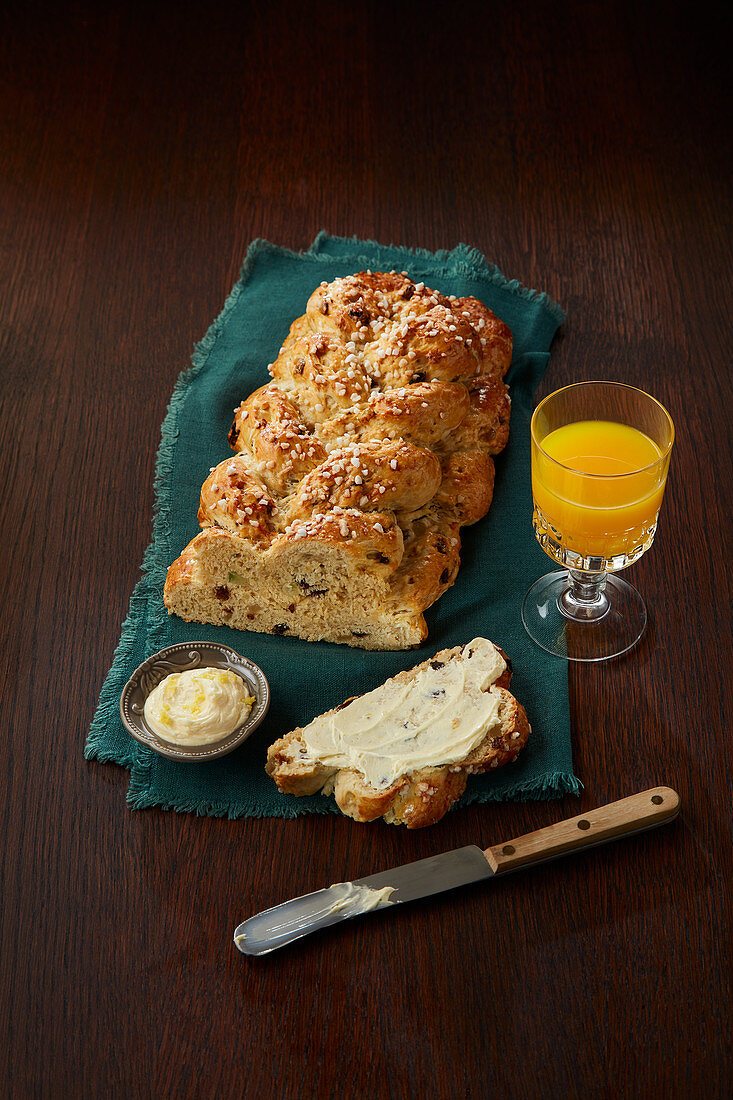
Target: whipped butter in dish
[198, 706]
[436, 717]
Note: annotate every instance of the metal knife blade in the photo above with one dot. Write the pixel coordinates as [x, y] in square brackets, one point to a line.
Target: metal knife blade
[292, 919]
[432, 875]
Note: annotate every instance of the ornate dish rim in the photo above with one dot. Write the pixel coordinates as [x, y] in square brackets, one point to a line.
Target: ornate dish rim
[154, 668]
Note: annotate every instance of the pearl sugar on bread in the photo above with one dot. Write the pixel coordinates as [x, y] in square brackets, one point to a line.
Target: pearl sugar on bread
[338, 517]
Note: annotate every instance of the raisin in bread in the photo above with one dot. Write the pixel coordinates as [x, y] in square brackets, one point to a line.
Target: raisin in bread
[338, 517]
[404, 751]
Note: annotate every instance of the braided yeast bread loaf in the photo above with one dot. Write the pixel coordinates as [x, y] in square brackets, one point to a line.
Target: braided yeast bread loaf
[404, 751]
[338, 517]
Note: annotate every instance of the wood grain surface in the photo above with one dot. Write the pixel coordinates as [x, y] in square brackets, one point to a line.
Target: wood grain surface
[584, 147]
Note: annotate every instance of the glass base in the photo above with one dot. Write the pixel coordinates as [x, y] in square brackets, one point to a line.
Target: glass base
[605, 626]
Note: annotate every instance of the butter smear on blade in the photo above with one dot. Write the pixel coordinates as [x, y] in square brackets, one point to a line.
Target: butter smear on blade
[436, 717]
[350, 898]
[198, 706]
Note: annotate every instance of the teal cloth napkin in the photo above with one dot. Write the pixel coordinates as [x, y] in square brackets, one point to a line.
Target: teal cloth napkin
[500, 558]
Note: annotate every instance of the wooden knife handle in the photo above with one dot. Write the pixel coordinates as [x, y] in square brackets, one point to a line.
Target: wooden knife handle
[629, 815]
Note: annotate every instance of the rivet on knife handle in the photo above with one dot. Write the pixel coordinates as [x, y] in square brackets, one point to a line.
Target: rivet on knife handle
[617, 819]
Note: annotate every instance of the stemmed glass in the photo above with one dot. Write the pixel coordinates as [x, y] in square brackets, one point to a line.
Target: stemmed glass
[600, 455]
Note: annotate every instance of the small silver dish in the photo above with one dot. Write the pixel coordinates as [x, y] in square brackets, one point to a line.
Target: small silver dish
[179, 658]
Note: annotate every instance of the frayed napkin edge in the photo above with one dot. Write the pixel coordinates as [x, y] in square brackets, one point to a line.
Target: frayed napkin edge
[139, 797]
[463, 259]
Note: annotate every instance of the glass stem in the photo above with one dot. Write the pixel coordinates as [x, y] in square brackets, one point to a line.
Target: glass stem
[584, 600]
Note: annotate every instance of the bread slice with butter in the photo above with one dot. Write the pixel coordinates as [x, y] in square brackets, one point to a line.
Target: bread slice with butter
[404, 751]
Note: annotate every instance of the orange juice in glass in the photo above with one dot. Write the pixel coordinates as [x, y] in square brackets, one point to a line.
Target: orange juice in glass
[600, 455]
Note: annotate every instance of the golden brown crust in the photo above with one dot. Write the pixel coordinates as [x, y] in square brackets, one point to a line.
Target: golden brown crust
[427, 797]
[423, 413]
[356, 799]
[371, 476]
[437, 346]
[467, 487]
[429, 564]
[232, 498]
[293, 775]
[273, 440]
[416, 800]
[495, 337]
[370, 447]
[486, 423]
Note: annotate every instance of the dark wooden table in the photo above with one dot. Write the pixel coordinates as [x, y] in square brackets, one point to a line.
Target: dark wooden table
[583, 147]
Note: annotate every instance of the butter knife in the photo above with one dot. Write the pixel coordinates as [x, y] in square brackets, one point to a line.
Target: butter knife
[289, 921]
